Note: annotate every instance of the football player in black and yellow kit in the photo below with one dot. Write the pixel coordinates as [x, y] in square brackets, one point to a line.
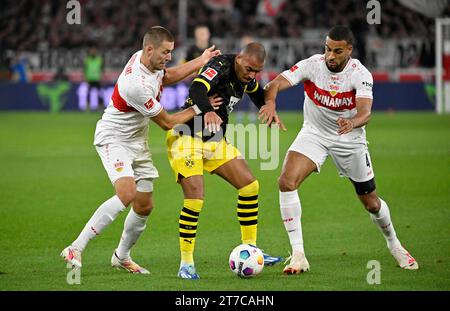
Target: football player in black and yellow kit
[201, 145]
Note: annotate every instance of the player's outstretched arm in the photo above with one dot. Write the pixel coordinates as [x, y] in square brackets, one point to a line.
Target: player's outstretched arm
[180, 72]
[362, 117]
[275, 86]
[167, 121]
[267, 113]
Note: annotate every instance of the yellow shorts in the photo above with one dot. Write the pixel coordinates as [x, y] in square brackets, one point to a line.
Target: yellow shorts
[189, 156]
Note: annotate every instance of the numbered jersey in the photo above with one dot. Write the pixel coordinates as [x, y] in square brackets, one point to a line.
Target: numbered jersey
[219, 77]
[135, 99]
[330, 95]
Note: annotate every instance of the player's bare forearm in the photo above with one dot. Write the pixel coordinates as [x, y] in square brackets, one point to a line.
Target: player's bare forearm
[363, 112]
[272, 89]
[168, 121]
[362, 117]
[182, 116]
[182, 71]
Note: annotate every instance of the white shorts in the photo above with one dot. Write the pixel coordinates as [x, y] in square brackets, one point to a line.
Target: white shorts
[351, 158]
[129, 160]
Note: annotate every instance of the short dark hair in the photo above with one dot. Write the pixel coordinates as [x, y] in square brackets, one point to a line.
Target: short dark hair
[201, 26]
[157, 35]
[256, 50]
[341, 33]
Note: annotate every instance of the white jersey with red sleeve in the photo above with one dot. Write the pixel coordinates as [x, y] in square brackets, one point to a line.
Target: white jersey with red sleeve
[135, 99]
[330, 95]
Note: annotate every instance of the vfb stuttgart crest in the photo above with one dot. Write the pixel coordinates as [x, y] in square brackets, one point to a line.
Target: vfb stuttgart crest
[188, 161]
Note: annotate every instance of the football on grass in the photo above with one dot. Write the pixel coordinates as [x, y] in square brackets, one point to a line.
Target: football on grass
[246, 261]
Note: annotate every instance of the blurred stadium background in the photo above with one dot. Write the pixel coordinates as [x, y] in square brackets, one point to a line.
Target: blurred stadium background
[39, 47]
[52, 179]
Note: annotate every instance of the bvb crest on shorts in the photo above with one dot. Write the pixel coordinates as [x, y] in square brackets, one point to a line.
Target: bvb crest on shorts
[188, 161]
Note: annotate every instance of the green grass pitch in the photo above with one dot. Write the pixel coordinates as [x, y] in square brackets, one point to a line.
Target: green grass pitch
[52, 181]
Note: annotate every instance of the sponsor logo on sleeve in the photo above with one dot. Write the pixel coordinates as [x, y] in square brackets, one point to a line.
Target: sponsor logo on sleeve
[209, 73]
[368, 84]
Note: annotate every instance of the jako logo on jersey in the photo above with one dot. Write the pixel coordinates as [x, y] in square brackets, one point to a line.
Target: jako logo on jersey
[293, 68]
[368, 84]
[209, 73]
[149, 105]
[119, 166]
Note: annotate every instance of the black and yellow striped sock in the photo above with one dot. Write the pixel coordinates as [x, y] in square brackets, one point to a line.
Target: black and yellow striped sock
[188, 228]
[247, 211]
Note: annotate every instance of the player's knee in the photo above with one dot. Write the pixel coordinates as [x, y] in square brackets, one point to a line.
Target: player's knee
[143, 208]
[125, 190]
[372, 205]
[126, 198]
[287, 184]
[126, 194]
[194, 192]
[371, 202]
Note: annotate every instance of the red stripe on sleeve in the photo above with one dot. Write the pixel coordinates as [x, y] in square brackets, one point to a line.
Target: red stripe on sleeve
[118, 102]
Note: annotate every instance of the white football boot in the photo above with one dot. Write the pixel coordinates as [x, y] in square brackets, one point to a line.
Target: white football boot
[404, 259]
[127, 264]
[298, 263]
[72, 256]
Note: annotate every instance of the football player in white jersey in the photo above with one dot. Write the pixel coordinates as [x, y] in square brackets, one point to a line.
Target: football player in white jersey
[337, 106]
[121, 142]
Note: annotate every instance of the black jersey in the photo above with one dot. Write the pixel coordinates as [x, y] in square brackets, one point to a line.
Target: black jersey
[219, 77]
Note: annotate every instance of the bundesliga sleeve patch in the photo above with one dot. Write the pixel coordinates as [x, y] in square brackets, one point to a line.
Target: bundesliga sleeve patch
[293, 68]
[209, 73]
[149, 105]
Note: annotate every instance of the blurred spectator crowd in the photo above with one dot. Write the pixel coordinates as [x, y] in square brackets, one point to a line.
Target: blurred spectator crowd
[31, 25]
